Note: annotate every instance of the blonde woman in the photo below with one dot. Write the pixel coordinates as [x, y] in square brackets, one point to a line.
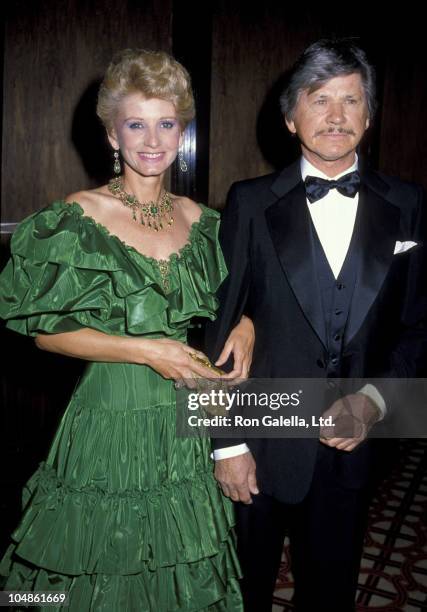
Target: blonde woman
[123, 515]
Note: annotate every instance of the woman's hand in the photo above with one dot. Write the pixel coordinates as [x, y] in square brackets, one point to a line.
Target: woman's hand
[172, 360]
[240, 343]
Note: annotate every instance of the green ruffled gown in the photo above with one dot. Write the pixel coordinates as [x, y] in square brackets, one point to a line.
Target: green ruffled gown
[121, 514]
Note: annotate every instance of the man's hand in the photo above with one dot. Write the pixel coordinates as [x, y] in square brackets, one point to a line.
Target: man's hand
[353, 416]
[236, 475]
[240, 342]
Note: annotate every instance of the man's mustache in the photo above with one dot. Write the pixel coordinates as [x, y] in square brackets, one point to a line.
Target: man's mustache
[336, 131]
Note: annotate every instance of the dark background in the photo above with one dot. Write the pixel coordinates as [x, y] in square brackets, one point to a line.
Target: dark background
[55, 52]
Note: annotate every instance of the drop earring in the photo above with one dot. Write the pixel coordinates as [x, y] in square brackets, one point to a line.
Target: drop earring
[182, 163]
[117, 167]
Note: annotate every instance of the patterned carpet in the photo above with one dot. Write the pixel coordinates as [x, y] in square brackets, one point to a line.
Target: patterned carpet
[393, 575]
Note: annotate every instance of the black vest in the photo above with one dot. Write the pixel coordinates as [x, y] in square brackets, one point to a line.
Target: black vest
[336, 297]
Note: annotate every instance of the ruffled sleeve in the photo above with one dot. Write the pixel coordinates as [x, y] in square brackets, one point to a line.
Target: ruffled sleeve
[50, 284]
[67, 272]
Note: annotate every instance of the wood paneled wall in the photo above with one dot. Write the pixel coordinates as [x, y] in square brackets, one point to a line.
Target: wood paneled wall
[403, 137]
[55, 53]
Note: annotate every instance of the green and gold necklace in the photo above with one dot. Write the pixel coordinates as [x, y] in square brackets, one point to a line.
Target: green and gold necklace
[152, 214]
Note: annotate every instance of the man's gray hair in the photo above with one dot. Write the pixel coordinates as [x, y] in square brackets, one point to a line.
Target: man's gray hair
[322, 61]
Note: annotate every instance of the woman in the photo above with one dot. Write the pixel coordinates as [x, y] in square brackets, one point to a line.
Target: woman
[122, 514]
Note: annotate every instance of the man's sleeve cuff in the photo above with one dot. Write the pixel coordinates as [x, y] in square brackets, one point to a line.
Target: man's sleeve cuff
[230, 451]
[373, 393]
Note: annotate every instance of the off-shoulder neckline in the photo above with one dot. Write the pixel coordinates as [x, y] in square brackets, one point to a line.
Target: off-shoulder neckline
[174, 256]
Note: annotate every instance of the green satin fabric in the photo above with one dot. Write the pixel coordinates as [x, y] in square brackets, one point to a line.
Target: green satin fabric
[121, 514]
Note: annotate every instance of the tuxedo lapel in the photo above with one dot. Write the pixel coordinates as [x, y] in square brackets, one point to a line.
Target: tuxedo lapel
[376, 236]
[289, 224]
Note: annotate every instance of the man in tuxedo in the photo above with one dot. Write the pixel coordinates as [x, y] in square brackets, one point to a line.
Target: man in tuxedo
[327, 258]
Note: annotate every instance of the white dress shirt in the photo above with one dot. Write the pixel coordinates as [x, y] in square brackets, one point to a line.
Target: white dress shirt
[333, 218]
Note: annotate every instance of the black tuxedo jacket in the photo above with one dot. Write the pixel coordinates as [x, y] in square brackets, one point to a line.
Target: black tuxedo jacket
[265, 236]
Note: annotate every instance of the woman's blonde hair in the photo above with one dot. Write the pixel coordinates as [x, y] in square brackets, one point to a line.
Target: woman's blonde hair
[154, 74]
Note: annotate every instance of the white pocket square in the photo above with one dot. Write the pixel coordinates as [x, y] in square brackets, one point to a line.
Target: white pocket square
[401, 247]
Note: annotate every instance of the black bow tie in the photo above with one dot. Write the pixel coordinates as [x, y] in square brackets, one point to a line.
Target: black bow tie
[316, 187]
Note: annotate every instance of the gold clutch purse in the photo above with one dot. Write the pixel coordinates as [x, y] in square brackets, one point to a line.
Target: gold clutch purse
[206, 385]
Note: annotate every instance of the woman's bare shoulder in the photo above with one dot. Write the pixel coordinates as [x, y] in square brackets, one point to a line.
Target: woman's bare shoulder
[190, 209]
[89, 199]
